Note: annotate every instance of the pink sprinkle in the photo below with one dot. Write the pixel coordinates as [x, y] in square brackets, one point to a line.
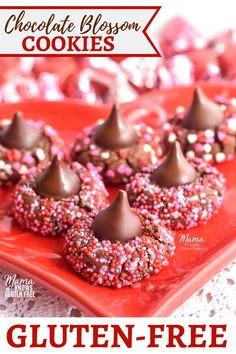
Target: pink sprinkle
[110, 173]
[147, 137]
[99, 169]
[121, 169]
[77, 148]
[128, 171]
[89, 166]
[87, 130]
[221, 136]
[16, 166]
[50, 131]
[54, 150]
[94, 153]
[230, 157]
[28, 159]
[198, 148]
[87, 141]
[210, 141]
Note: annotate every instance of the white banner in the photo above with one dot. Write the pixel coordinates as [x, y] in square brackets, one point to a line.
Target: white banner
[117, 335]
[93, 31]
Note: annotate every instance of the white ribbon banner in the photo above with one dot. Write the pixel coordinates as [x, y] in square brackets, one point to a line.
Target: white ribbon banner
[91, 31]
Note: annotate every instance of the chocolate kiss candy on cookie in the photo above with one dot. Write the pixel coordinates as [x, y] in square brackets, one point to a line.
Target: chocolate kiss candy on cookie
[57, 181]
[117, 222]
[203, 113]
[115, 132]
[19, 134]
[175, 170]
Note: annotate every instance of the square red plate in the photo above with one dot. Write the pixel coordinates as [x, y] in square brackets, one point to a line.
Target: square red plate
[42, 258]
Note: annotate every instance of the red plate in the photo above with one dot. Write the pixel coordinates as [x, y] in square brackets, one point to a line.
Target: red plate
[192, 265]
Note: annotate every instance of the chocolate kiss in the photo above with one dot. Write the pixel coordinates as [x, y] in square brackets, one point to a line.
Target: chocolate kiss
[19, 135]
[202, 113]
[114, 133]
[117, 222]
[174, 170]
[57, 181]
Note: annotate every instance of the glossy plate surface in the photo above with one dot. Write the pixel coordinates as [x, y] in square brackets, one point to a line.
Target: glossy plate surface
[192, 265]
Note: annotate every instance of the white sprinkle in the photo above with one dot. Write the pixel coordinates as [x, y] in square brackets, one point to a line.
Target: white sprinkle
[195, 198]
[5, 121]
[147, 148]
[223, 107]
[220, 156]
[166, 126]
[105, 155]
[2, 164]
[207, 148]
[8, 168]
[209, 133]
[40, 154]
[180, 109]
[172, 137]
[233, 102]
[207, 157]
[23, 169]
[190, 154]
[195, 210]
[154, 160]
[149, 130]
[232, 124]
[181, 197]
[192, 138]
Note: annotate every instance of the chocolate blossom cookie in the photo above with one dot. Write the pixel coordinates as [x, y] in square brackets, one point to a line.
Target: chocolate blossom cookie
[120, 246]
[182, 193]
[205, 130]
[49, 199]
[117, 148]
[24, 144]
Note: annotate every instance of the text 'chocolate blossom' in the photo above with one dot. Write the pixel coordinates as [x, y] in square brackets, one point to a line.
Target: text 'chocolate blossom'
[203, 113]
[115, 132]
[117, 222]
[19, 134]
[175, 170]
[57, 181]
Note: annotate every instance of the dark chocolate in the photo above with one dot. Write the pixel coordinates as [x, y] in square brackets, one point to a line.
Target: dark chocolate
[175, 170]
[115, 132]
[57, 181]
[117, 222]
[203, 113]
[19, 134]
